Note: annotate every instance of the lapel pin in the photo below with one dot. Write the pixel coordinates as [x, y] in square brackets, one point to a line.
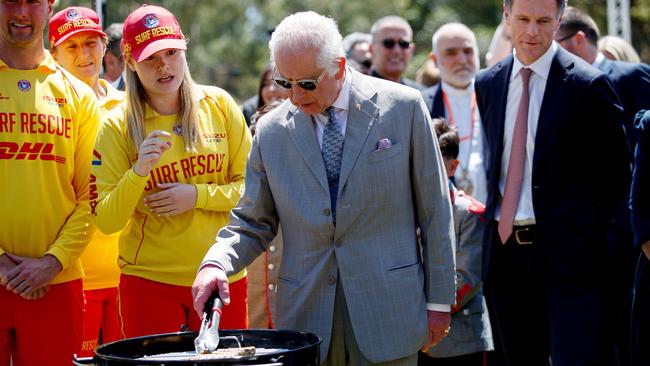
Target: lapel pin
[357, 106]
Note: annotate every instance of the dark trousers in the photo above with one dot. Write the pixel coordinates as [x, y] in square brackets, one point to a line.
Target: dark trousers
[534, 322]
[641, 315]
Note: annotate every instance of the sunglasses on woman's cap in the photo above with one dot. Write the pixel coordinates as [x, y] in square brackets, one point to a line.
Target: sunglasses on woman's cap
[307, 84]
[390, 43]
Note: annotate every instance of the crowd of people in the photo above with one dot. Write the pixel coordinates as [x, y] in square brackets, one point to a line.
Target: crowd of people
[490, 217]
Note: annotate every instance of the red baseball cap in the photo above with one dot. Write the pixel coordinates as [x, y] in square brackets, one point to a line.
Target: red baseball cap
[149, 29]
[70, 21]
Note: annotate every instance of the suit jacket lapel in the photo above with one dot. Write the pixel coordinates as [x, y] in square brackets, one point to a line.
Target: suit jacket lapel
[553, 104]
[303, 135]
[499, 89]
[438, 108]
[362, 114]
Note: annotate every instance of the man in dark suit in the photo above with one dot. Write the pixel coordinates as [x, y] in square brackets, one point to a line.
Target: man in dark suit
[557, 167]
[579, 35]
[640, 207]
[455, 54]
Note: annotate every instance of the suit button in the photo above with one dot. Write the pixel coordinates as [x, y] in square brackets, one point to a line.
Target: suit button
[271, 286]
[331, 280]
[327, 212]
[271, 266]
[272, 248]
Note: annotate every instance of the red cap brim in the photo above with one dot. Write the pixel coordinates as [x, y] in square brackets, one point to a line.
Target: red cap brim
[158, 45]
[62, 39]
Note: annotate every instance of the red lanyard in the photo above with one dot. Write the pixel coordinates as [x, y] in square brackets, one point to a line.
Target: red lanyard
[450, 115]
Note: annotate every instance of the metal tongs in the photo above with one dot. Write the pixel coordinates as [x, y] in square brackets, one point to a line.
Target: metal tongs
[208, 338]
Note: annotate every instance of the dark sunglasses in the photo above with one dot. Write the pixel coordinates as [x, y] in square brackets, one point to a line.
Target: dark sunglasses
[566, 37]
[390, 43]
[307, 84]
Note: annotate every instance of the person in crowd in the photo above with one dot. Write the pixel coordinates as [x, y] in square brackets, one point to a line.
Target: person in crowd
[640, 209]
[617, 49]
[500, 45]
[79, 48]
[470, 336]
[267, 92]
[545, 254]
[263, 271]
[365, 172]
[48, 124]
[357, 51]
[168, 168]
[428, 74]
[113, 59]
[579, 35]
[392, 48]
[455, 53]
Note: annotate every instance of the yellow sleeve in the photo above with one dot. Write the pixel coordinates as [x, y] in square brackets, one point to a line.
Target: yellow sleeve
[224, 197]
[78, 229]
[118, 187]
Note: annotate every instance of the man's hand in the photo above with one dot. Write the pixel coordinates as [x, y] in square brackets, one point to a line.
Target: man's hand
[209, 279]
[38, 294]
[175, 199]
[31, 274]
[646, 249]
[6, 264]
[438, 327]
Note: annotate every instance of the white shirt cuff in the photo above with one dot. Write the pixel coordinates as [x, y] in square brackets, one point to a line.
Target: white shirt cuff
[446, 308]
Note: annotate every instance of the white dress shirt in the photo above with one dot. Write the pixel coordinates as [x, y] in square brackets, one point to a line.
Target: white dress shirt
[341, 106]
[537, 85]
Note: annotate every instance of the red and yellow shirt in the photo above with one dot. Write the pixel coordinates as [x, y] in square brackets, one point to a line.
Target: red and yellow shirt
[48, 123]
[170, 249]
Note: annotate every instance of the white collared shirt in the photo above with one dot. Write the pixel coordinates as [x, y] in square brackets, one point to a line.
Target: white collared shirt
[341, 106]
[599, 60]
[537, 85]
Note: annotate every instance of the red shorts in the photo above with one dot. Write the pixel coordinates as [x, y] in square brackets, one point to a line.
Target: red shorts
[100, 313]
[46, 331]
[148, 307]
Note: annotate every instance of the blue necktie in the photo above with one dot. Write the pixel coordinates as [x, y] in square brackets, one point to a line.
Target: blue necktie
[332, 151]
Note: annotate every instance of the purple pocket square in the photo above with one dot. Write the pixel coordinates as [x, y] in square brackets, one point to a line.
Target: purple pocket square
[384, 143]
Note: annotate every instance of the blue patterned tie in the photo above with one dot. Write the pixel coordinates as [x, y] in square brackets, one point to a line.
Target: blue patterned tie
[332, 151]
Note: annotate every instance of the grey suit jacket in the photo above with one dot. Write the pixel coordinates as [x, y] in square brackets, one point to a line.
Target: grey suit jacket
[384, 195]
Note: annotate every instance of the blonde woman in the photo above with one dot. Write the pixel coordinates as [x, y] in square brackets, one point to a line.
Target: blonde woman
[170, 167]
[78, 44]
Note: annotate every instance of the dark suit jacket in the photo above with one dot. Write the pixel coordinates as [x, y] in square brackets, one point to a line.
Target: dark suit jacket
[580, 165]
[632, 84]
[640, 195]
[433, 100]
[403, 81]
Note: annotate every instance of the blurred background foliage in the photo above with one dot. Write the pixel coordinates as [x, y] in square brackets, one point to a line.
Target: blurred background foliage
[228, 38]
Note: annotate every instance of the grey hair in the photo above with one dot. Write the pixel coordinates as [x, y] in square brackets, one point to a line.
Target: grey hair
[353, 39]
[309, 31]
[391, 21]
[561, 5]
[451, 27]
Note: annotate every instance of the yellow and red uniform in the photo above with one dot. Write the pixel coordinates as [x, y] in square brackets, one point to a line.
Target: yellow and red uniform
[48, 123]
[168, 250]
[99, 261]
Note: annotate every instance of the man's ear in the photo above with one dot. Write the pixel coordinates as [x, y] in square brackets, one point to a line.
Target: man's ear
[432, 56]
[341, 71]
